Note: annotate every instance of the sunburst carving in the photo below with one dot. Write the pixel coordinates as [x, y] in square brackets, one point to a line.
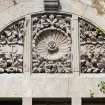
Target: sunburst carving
[52, 44]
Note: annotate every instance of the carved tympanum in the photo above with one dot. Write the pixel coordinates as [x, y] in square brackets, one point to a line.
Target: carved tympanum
[92, 48]
[51, 43]
[11, 48]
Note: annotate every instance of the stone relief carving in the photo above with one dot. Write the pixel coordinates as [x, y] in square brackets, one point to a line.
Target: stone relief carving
[92, 48]
[11, 48]
[51, 45]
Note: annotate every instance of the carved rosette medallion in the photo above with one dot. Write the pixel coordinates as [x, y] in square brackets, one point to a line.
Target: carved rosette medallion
[11, 48]
[51, 43]
[92, 48]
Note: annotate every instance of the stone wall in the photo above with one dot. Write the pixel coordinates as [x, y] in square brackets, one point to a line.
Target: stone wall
[27, 84]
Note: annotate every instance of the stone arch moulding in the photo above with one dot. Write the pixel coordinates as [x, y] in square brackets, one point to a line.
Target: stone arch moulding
[51, 44]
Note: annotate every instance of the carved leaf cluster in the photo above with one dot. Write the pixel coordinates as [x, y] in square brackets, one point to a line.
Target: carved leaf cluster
[51, 49]
[92, 48]
[11, 48]
[45, 21]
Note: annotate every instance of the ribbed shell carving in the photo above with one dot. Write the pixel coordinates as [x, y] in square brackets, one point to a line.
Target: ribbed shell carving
[51, 43]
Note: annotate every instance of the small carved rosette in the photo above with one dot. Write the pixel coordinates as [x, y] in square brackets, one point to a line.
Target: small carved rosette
[51, 44]
[92, 48]
[11, 48]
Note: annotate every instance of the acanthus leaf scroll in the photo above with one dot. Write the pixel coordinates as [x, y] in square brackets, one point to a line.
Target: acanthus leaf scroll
[92, 48]
[11, 48]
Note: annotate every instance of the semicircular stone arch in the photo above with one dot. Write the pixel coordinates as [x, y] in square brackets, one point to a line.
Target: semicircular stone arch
[52, 45]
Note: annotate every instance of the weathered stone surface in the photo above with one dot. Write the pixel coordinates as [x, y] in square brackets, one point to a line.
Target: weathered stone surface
[51, 43]
[11, 48]
[76, 85]
[92, 41]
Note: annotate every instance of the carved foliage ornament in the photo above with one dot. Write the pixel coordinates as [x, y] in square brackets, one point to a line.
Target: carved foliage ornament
[51, 43]
[92, 48]
[11, 48]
